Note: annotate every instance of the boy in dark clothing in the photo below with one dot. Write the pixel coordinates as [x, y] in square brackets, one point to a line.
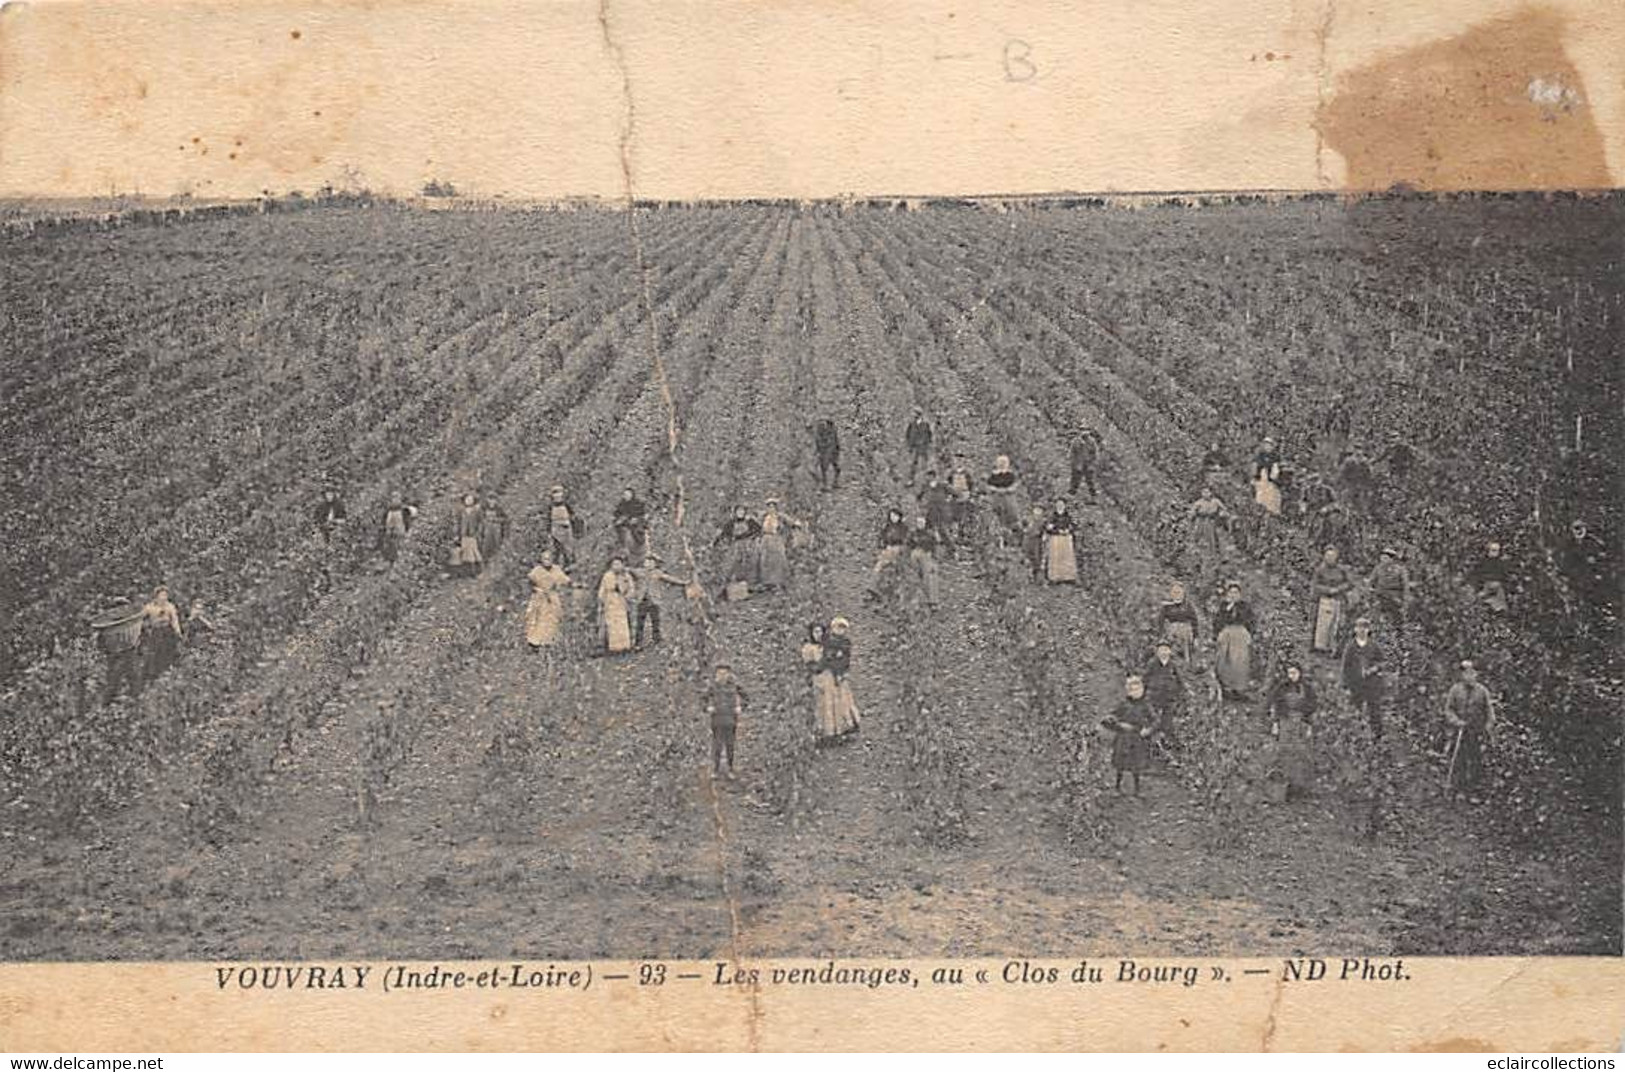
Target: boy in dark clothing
[725, 702]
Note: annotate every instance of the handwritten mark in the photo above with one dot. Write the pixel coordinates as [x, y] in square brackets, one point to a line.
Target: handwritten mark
[1018, 62]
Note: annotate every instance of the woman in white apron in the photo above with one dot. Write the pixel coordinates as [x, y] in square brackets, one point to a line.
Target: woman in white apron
[1060, 553]
[615, 591]
[544, 615]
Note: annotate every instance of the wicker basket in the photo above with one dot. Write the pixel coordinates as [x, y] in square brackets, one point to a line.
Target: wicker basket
[118, 629]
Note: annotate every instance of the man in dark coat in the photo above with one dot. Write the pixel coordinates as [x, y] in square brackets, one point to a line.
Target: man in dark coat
[938, 504]
[1132, 723]
[1363, 663]
[917, 436]
[1391, 586]
[1583, 559]
[631, 523]
[1164, 689]
[1085, 458]
[1357, 480]
[1491, 579]
[827, 444]
[329, 513]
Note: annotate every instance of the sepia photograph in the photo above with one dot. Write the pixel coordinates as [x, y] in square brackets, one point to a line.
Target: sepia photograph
[409, 560]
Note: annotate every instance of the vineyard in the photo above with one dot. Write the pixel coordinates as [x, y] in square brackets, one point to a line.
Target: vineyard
[361, 757]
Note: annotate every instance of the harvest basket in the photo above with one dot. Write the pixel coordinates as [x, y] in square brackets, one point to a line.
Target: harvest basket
[118, 629]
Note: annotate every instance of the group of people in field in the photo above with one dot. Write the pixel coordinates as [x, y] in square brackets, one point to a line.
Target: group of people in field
[142, 643]
[1348, 640]
[956, 511]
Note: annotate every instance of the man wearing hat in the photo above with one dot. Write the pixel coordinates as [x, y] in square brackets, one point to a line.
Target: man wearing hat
[1362, 674]
[1164, 689]
[646, 578]
[1470, 712]
[1391, 585]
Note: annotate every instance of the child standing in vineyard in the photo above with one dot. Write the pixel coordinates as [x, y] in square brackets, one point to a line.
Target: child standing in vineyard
[1133, 724]
[724, 704]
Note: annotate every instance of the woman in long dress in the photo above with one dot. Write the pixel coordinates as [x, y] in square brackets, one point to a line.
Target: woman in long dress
[1003, 489]
[774, 567]
[397, 523]
[1060, 553]
[1207, 514]
[615, 592]
[1177, 621]
[1233, 625]
[544, 615]
[1267, 476]
[822, 683]
[562, 526]
[838, 664]
[1292, 705]
[1330, 584]
[160, 633]
[1131, 723]
[465, 557]
[740, 557]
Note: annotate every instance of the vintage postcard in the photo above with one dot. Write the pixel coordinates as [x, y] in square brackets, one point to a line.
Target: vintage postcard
[808, 525]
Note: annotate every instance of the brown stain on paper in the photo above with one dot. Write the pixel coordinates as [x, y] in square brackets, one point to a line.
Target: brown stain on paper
[1500, 106]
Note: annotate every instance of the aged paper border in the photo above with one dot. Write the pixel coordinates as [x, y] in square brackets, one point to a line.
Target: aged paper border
[800, 98]
[1448, 1004]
